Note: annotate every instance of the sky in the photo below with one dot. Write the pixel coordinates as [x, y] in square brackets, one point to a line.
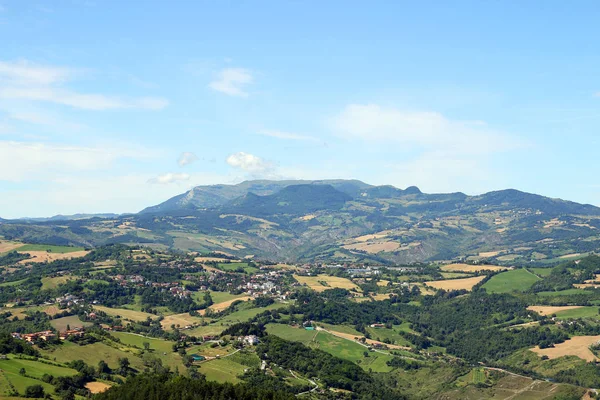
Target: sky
[113, 106]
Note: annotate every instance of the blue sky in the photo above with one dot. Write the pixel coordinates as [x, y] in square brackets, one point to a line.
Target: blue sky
[112, 106]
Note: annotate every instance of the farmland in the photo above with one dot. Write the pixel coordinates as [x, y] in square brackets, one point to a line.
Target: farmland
[72, 322]
[549, 310]
[517, 280]
[576, 346]
[323, 282]
[49, 249]
[125, 313]
[456, 284]
[471, 268]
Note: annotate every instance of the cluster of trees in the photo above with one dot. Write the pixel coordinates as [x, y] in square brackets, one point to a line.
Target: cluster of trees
[168, 387]
[330, 371]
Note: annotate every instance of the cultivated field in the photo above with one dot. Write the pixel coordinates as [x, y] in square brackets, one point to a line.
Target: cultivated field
[53, 283]
[6, 246]
[472, 268]
[456, 284]
[313, 282]
[549, 310]
[511, 281]
[179, 320]
[97, 387]
[576, 346]
[44, 256]
[225, 304]
[125, 313]
[71, 322]
[374, 247]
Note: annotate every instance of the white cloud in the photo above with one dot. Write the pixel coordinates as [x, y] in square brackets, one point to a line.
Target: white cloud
[169, 178]
[420, 129]
[20, 161]
[83, 101]
[26, 73]
[232, 81]
[249, 163]
[23, 80]
[286, 135]
[186, 158]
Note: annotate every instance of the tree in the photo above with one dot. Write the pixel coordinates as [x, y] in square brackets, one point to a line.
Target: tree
[103, 367]
[22, 372]
[146, 346]
[35, 391]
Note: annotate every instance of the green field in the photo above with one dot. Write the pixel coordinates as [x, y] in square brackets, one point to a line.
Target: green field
[49, 248]
[13, 283]
[290, 333]
[91, 354]
[9, 372]
[236, 265]
[584, 312]
[340, 328]
[510, 281]
[162, 349]
[72, 321]
[352, 351]
[566, 292]
[381, 334]
[541, 271]
[223, 370]
[217, 297]
[53, 283]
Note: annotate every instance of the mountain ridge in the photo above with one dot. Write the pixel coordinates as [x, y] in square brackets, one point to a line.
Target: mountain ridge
[341, 221]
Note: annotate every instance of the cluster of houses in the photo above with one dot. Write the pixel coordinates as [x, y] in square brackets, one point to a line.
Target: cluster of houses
[48, 335]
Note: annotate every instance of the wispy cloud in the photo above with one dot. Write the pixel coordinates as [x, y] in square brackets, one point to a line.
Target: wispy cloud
[23, 80]
[232, 81]
[21, 161]
[420, 129]
[168, 178]
[186, 158]
[287, 135]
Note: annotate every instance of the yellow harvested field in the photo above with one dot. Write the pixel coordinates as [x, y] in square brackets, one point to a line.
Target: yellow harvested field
[6, 246]
[97, 387]
[374, 247]
[313, 282]
[125, 313]
[225, 304]
[215, 259]
[380, 296]
[472, 268]
[366, 238]
[576, 346]
[456, 284]
[211, 269]
[382, 282]
[596, 279]
[570, 255]
[18, 312]
[179, 320]
[308, 217]
[487, 254]
[549, 310]
[44, 256]
[52, 310]
[586, 285]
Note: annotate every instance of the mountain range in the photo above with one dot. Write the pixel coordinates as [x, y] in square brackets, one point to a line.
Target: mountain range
[338, 221]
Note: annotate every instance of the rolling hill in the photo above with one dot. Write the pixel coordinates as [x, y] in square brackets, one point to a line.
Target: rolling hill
[341, 221]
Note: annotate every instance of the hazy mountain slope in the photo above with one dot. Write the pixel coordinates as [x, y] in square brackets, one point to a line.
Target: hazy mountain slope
[338, 220]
